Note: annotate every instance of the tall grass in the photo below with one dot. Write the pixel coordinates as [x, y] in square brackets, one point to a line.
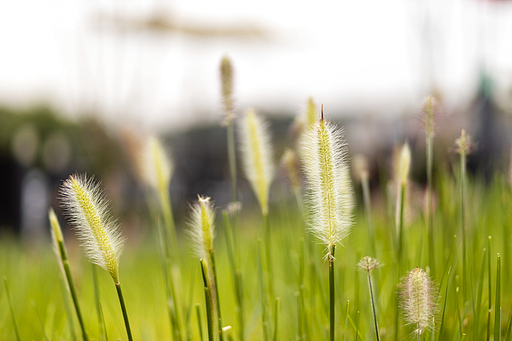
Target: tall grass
[289, 291]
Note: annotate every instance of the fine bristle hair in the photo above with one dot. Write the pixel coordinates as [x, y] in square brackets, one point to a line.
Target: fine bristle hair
[329, 192]
[87, 210]
[156, 164]
[257, 156]
[417, 293]
[202, 227]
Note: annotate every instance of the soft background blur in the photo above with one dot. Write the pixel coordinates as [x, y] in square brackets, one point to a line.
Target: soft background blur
[81, 82]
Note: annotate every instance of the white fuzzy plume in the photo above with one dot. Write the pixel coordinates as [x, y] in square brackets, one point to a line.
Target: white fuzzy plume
[202, 227]
[256, 151]
[87, 209]
[156, 164]
[329, 192]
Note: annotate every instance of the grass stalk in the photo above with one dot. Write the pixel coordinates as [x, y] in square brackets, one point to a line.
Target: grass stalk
[429, 215]
[199, 322]
[236, 274]
[346, 320]
[276, 318]
[208, 302]
[230, 130]
[262, 292]
[216, 293]
[400, 227]
[15, 326]
[40, 321]
[332, 301]
[489, 287]
[99, 310]
[125, 314]
[497, 305]
[368, 213]
[62, 253]
[375, 324]
[170, 291]
[268, 254]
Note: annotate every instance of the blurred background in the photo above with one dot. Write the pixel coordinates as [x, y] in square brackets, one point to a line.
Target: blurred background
[81, 82]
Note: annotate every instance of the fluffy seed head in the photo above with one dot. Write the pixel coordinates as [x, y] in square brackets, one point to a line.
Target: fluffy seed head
[226, 76]
[464, 144]
[430, 111]
[256, 152]
[157, 165]
[311, 114]
[360, 167]
[291, 166]
[202, 227]
[368, 264]
[87, 209]
[329, 191]
[404, 164]
[417, 299]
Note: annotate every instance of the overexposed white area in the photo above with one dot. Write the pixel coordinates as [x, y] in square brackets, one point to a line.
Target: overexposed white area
[368, 56]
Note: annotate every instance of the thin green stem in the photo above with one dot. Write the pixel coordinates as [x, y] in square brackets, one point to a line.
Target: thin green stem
[400, 226]
[489, 281]
[99, 310]
[236, 277]
[375, 324]
[276, 318]
[232, 160]
[497, 305]
[40, 321]
[170, 292]
[199, 323]
[208, 302]
[346, 320]
[15, 326]
[268, 255]
[262, 292]
[125, 314]
[331, 294]
[367, 210]
[171, 241]
[216, 290]
[71, 286]
[463, 223]
[430, 218]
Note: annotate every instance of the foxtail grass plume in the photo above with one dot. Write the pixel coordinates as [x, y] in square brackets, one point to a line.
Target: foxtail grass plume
[87, 209]
[291, 166]
[329, 190]
[157, 165]
[418, 300]
[256, 151]
[202, 227]
[404, 164]
[55, 231]
[430, 111]
[464, 145]
[360, 167]
[311, 114]
[369, 263]
[226, 76]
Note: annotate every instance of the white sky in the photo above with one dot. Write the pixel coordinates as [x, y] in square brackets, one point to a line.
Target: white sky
[368, 55]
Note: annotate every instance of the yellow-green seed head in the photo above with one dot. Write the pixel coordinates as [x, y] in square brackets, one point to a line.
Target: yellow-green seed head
[360, 167]
[404, 164]
[226, 76]
[291, 166]
[156, 164]
[202, 227]
[256, 152]
[418, 300]
[55, 228]
[329, 193]
[464, 144]
[430, 111]
[99, 235]
[311, 114]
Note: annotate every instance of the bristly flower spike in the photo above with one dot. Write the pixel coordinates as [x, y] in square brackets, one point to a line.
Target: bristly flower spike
[418, 300]
[329, 190]
[157, 165]
[404, 164]
[226, 76]
[202, 228]
[98, 232]
[256, 150]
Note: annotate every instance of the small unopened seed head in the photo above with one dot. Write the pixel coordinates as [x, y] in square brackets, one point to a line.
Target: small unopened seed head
[87, 209]
[418, 300]
[311, 114]
[368, 264]
[464, 144]
[56, 231]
